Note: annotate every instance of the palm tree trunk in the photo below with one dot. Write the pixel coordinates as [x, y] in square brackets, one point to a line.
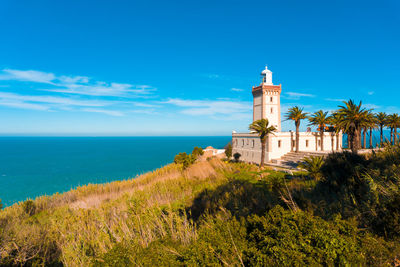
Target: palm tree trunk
[263, 145]
[322, 139]
[332, 141]
[297, 136]
[355, 144]
[365, 138]
[381, 126]
[337, 142]
[395, 135]
[391, 135]
[370, 137]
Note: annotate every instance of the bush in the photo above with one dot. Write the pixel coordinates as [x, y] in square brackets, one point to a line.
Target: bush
[228, 150]
[184, 159]
[313, 165]
[197, 152]
[29, 207]
[237, 156]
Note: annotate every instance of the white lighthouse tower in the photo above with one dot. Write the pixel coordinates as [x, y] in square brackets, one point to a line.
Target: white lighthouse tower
[267, 100]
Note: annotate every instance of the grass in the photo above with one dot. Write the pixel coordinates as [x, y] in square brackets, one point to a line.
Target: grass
[210, 213]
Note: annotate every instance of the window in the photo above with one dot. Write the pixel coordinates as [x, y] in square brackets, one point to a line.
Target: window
[242, 142]
[253, 143]
[279, 143]
[306, 143]
[272, 110]
[270, 99]
[247, 142]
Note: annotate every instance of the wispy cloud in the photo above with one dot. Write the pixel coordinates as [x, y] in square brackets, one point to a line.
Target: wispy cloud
[212, 108]
[296, 95]
[237, 90]
[371, 92]
[104, 111]
[335, 99]
[80, 85]
[371, 106]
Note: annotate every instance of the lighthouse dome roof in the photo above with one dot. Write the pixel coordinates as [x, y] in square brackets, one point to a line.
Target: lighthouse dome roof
[266, 70]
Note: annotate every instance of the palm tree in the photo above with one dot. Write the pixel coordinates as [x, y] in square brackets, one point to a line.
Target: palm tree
[381, 120]
[319, 119]
[368, 124]
[372, 121]
[393, 122]
[352, 120]
[296, 114]
[263, 130]
[335, 120]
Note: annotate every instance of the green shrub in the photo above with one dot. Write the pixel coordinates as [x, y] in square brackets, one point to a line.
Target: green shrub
[29, 207]
[197, 152]
[313, 165]
[184, 159]
[228, 150]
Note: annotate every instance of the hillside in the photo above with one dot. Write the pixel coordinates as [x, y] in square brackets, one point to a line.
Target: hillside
[217, 213]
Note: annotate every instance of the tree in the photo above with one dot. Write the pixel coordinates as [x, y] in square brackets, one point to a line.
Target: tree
[393, 121]
[335, 120]
[197, 151]
[319, 119]
[381, 120]
[313, 165]
[262, 128]
[352, 117]
[372, 125]
[228, 150]
[184, 159]
[296, 114]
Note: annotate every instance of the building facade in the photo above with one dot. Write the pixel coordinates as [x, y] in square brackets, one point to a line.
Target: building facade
[267, 105]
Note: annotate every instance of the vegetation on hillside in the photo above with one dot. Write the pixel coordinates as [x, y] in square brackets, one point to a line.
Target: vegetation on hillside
[218, 213]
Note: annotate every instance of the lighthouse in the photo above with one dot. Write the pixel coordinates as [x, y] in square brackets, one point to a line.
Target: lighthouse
[267, 100]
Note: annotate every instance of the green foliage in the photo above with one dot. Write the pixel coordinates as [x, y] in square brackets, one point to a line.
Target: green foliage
[1, 205]
[184, 159]
[29, 207]
[236, 214]
[228, 150]
[237, 156]
[197, 152]
[313, 165]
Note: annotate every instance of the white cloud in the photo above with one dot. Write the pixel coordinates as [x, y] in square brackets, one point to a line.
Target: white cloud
[371, 106]
[28, 75]
[22, 105]
[77, 84]
[6, 96]
[335, 99]
[295, 95]
[104, 111]
[371, 92]
[237, 90]
[225, 109]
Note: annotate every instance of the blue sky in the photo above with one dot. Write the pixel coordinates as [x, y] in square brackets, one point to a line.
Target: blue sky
[187, 67]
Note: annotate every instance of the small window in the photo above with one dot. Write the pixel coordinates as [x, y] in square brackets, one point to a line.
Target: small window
[306, 143]
[247, 142]
[279, 143]
[272, 110]
[242, 142]
[271, 99]
[253, 143]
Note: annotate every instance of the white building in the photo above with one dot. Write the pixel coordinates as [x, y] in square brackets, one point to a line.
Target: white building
[267, 105]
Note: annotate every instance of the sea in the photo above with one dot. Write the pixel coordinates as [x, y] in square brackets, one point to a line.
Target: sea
[34, 166]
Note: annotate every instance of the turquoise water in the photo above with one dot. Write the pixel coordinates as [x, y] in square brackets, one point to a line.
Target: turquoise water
[33, 166]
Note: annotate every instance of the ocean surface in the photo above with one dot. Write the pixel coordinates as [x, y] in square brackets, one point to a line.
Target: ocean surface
[34, 166]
